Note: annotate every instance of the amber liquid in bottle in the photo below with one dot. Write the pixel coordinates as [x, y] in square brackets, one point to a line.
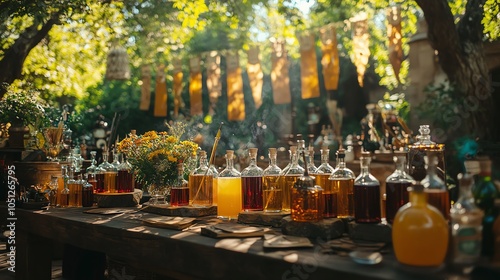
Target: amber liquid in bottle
[99, 187]
[345, 199]
[367, 203]
[287, 183]
[330, 205]
[439, 199]
[204, 192]
[179, 196]
[75, 194]
[397, 196]
[125, 181]
[110, 182]
[272, 194]
[307, 206]
[64, 200]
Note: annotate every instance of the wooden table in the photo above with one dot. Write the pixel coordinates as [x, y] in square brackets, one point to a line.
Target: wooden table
[182, 254]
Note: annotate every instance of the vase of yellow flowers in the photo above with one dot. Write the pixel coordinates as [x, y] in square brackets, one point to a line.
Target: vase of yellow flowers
[154, 157]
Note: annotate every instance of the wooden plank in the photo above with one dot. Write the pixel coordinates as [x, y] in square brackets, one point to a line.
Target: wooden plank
[182, 211]
[33, 256]
[262, 218]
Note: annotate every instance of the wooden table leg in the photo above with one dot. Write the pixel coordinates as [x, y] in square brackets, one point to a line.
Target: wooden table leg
[33, 256]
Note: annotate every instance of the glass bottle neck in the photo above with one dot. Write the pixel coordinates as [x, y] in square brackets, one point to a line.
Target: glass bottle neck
[365, 166]
[229, 162]
[203, 162]
[325, 156]
[105, 157]
[418, 199]
[272, 160]
[340, 162]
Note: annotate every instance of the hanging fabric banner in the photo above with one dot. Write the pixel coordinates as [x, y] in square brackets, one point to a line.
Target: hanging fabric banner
[145, 88]
[330, 60]
[279, 74]
[195, 86]
[394, 34]
[178, 75]
[213, 80]
[308, 67]
[160, 109]
[255, 75]
[360, 41]
[235, 97]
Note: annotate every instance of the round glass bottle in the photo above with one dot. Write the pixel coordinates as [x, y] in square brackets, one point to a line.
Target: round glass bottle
[435, 188]
[229, 190]
[251, 184]
[201, 184]
[366, 194]
[289, 175]
[396, 187]
[342, 182]
[273, 195]
[179, 194]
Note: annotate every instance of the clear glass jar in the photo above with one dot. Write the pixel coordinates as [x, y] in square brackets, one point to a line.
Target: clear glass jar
[179, 194]
[251, 184]
[366, 194]
[229, 190]
[272, 193]
[396, 187]
[201, 183]
[289, 175]
[340, 182]
[306, 199]
[435, 187]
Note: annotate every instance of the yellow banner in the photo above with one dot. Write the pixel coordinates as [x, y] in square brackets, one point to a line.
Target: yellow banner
[160, 109]
[330, 59]
[279, 74]
[308, 67]
[360, 41]
[195, 87]
[394, 34]
[235, 96]
[145, 88]
[213, 79]
[178, 75]
[255, 75]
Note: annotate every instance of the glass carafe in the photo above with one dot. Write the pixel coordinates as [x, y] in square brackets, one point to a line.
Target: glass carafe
[420, 233]
[108, 174]
[342, 182]
[229, 190]
[251, 184]
[366, 194]
[435, 188]
[396, 187]
[273, 194]
[289, 175]
[466, 225]
[201, 184]
[418, 151]
[179, 194]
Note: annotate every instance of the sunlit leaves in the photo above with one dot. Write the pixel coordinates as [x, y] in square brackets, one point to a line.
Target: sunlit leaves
[491, 20]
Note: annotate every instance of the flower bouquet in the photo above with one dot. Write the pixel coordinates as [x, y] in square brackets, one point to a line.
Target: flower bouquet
[154, 157]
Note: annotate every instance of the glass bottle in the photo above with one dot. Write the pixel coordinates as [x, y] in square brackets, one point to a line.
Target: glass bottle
[215, 184]
[420, 233]
[307, 199]
[366, 194]
[273, 194]
[435, 188]
[396, 187]
[288, 176]
[201, 184]
[53, 193]
[301, 147]
[312, 169]
[75, 191]
[108, 173]
[417, 152]
[88, 191]
[179, 194]
[92, 171]
[78, 160]
[466, 225]
[329, 192]
[342, 182]
[126, 178]
[485, 193]
[251, 184]
[63, 196]
[229, 190]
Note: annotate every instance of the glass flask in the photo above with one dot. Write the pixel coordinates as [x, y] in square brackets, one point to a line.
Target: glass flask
[64, 193]
[179, 194]
[88, 191]
[329, 192]
[229, 190]
[417, 152]
[75, 190]
[251, 184]
[396, 187]
[435, 188]
[366, 194]
[341, 181]
[306, 199]
[420, 233]
[126, 179]
[107, 174]
[78, 160]
[288, 176]
[201, 184]
[466, 225]
[53, 193]
[273, 194]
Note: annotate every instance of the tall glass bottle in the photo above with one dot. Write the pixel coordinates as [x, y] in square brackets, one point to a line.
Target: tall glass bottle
[179, 194]
[329, 192]
[311, 167]
[289, 175]
[215, 184]
[301, 147]
[435, 188]
[126, 178]
[108, 174]
[53, 192]
[251, 184]
[92, 171]
[342, 182]
[396, 187]
[420, 232]
[418, 151]
[229, 190]
[64, 193]
[201, 184]
[87, 192]
[485, 193]
[466, 225]
[366, 194]
[306, 199]
[273, 194]
[75, 188]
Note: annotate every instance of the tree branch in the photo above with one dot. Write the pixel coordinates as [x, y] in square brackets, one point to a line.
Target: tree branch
[470, 27]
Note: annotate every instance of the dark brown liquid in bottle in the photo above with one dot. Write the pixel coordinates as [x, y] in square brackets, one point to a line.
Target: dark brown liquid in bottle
[397, 196]
[367, 203]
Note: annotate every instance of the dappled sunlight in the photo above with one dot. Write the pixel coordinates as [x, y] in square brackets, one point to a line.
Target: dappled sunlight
[291, 258]
[141, 229]
[239, 245]
[184, 234]
[100, 222]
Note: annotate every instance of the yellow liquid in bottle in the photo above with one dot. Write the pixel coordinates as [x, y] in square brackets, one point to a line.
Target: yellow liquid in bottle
[110, 181]
[322, 181]
[75, 194]
[230, 201]
[286, 185]
[345, 198]
[272, 194]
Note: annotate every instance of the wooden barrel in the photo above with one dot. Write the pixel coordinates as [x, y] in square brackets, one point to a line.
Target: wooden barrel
[36, 172]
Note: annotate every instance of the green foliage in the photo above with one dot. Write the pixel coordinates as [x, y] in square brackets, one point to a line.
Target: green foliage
[22, 108]
[491, 20]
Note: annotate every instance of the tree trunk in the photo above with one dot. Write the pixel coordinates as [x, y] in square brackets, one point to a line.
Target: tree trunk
[11, 64]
